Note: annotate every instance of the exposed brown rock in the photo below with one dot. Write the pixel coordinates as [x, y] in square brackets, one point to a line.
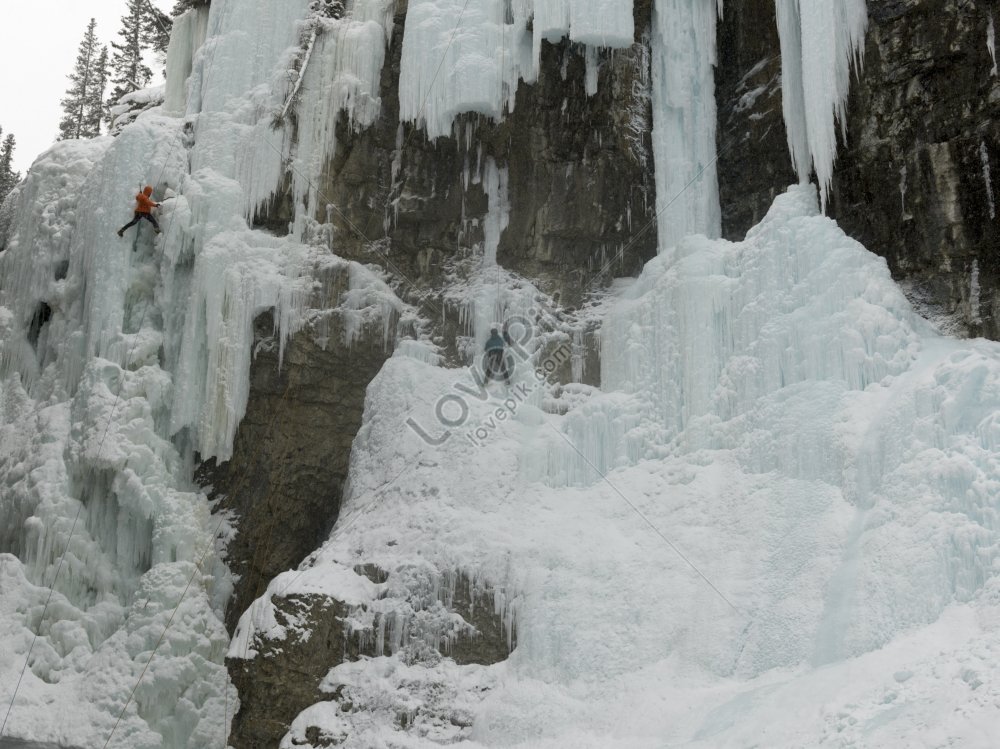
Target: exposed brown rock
[292, 448]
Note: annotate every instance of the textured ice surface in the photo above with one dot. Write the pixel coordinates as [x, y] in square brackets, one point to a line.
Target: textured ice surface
[345, 63]
[779, 415]
[187, 35]
[469, 56]
[772, 409]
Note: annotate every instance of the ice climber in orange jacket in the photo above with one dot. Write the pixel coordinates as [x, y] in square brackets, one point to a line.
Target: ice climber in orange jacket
[143, 207]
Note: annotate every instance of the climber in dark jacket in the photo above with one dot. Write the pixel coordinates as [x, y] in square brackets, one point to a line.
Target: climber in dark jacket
[496, 367]
[144, 206]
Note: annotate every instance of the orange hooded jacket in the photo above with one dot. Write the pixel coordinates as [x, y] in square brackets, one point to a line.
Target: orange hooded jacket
[143, 203]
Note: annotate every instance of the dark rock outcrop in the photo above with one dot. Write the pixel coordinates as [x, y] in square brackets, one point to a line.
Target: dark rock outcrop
[754, 165]
[283, 680]
[290, 457]
[285, 676]
[916, 182]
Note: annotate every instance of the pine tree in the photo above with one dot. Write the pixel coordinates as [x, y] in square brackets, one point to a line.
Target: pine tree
[156, 30]
[82, 81]
[130, 73]
[95, 110]
[8, 177]
[182, 6]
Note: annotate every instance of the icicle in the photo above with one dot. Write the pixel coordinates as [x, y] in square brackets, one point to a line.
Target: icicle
[975, 301]
[902, 190]
[593, 68]
[498, 214]
[449, 68]
[821, 40]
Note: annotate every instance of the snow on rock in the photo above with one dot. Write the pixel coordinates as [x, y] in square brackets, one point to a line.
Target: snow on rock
[129, 107]
[259, 621]
[436, 700]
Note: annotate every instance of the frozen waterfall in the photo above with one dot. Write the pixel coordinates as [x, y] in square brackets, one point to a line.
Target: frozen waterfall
[775, 521]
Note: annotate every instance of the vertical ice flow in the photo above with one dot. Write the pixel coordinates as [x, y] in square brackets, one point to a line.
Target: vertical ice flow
[119, 357]
[346, 65]
[186, 37]
[684, 119]
[984, 157]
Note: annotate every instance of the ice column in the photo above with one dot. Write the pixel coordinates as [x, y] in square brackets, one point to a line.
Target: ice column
[684, 119]
[239, 80]
[819, 41]
[186, 37]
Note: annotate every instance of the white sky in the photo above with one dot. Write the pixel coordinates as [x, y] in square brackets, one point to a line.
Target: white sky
[38, 45]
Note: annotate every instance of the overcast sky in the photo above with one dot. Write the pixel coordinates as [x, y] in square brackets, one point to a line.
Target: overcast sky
[38, 45]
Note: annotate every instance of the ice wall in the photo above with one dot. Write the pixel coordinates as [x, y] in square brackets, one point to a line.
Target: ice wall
[796, 352]
[735, 323]
[95, 502]
[820, 43]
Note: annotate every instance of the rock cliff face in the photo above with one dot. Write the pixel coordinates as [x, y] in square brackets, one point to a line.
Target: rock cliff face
[287, 676]
[915, 181]
[285, 479]
[754, 165]
[580, 187]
